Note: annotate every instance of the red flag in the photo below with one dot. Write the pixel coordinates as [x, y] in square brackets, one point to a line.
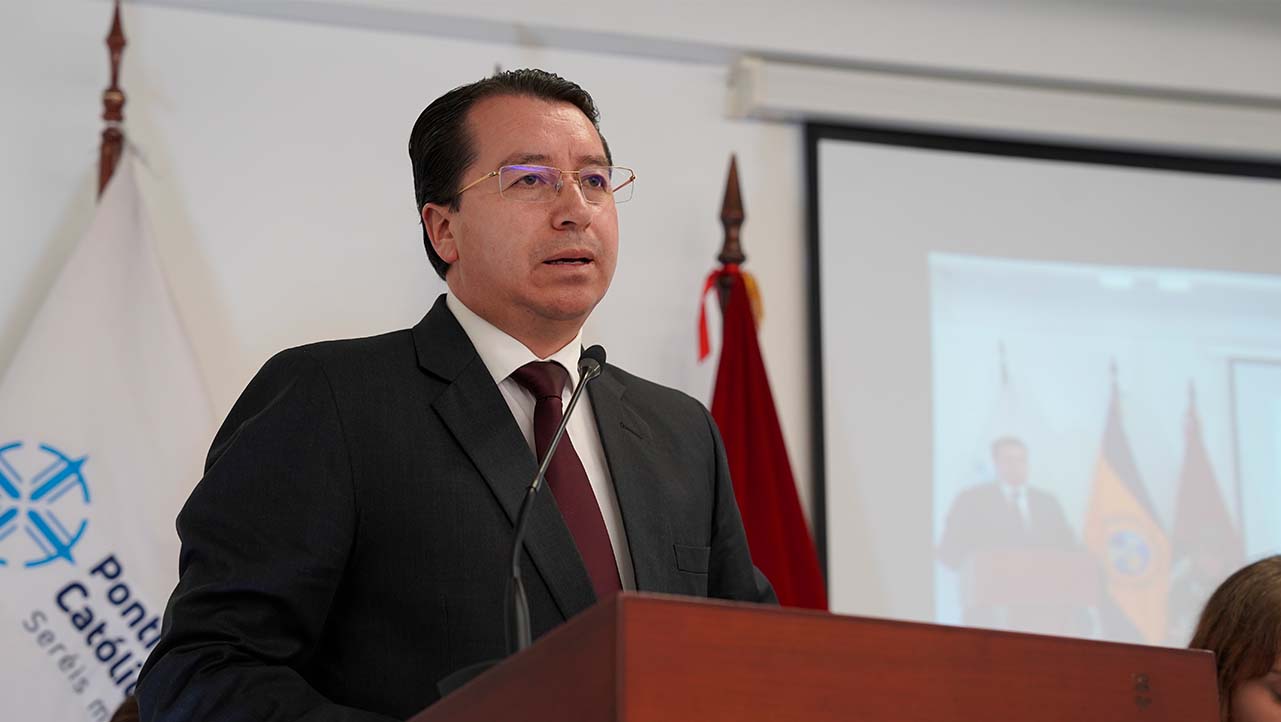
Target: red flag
[1205, 544]
[1203, 529]
[743, 407]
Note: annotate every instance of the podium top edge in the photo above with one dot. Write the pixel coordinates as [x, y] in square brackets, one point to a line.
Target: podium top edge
[627, 601]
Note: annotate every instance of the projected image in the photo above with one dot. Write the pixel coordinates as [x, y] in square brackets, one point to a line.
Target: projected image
[1089, 423]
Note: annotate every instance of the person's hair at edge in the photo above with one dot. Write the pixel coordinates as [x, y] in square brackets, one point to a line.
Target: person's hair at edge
[1241, 624]
[440, 147]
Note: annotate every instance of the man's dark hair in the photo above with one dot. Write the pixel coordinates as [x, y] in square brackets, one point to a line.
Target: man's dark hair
[1007, 441]
[440, 147]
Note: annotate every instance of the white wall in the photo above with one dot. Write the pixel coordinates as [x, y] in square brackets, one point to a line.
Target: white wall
[1222, 46]
[282, 191]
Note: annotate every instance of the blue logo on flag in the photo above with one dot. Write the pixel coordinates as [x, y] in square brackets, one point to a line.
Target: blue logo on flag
[1129, 552]
[39, 505]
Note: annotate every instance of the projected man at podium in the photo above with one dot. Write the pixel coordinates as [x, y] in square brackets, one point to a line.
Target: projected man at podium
[1018, 561]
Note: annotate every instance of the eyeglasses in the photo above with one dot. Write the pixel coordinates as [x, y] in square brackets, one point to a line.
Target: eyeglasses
[541, 184]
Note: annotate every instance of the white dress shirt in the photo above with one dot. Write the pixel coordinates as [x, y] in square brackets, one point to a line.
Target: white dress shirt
[502, 355]
[1017, 495]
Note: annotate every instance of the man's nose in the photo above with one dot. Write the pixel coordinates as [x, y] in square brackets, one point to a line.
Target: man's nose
[571, 209]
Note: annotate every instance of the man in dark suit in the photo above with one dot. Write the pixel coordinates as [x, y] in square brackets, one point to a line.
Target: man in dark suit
[1007, 515]
[348, 546]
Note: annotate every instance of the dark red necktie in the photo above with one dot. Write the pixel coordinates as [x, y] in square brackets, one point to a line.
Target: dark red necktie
[566, 476]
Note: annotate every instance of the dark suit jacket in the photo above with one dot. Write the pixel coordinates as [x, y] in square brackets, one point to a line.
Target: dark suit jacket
[349, 544]
[983, 519]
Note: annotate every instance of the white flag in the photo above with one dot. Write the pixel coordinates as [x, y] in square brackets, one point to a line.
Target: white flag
[104, 421]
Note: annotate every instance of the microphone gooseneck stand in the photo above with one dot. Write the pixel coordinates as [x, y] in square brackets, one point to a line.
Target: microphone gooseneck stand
[519, 635]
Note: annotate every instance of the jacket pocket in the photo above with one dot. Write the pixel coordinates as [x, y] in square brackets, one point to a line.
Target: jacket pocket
[693, 559]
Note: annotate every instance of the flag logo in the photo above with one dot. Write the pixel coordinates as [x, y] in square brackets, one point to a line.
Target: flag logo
[44, 502]
[1128, 552]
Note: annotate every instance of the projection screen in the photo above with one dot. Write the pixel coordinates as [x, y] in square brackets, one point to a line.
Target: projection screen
[1047, 386]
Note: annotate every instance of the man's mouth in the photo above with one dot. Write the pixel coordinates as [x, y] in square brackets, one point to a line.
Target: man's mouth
[569, 258]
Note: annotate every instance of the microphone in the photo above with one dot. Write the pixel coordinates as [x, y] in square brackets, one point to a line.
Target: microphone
[589, 367]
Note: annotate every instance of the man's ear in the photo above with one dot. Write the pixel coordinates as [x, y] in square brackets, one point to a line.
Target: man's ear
[438, 220]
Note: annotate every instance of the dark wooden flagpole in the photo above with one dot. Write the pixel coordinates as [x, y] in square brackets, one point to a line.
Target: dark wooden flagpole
[732, 218]
[113, 107]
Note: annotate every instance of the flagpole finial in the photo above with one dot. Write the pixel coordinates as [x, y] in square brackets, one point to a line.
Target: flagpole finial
[113, 105]
[1005, 367]
[1190, 422]
[732, 217]
[1115, 373]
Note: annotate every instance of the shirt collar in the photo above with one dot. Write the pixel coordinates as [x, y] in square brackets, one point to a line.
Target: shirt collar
[503, 354]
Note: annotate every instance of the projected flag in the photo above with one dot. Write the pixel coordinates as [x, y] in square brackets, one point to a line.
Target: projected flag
[1122, 531]
[1206, 546]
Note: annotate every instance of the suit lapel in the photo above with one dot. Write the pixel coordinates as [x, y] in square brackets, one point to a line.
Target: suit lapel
[478, 418]
[637, 483]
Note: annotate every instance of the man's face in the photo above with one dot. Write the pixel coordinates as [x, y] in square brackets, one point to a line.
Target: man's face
[1011, 464]
[524, 265]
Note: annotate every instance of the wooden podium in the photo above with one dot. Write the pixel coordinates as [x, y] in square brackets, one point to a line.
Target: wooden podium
[643, 657]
